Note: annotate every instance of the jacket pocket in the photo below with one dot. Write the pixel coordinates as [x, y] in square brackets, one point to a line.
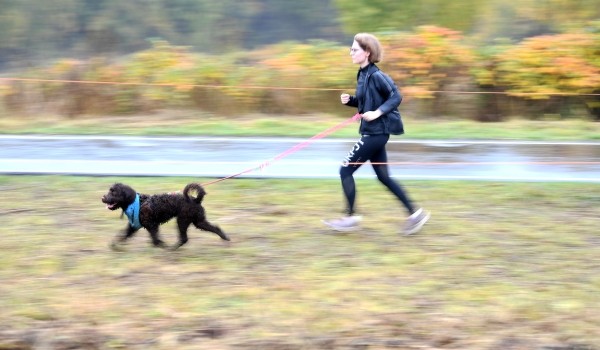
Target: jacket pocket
[394, 123]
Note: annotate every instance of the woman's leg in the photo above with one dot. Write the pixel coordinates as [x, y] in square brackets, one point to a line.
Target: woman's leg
[350, 164]
[362, 151]
[379, 163]
[372, 148]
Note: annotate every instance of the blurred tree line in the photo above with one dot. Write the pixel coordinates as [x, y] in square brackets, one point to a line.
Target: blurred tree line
[484, 21]
[484, 60]
[33, 30]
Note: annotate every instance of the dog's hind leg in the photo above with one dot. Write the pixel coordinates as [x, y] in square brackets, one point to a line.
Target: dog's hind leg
[207, 226]
[182, 225]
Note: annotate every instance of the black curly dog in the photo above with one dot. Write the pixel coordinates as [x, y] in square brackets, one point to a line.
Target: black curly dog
[150, 211]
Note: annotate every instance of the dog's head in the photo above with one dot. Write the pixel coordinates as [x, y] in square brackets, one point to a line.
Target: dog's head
[119, 196]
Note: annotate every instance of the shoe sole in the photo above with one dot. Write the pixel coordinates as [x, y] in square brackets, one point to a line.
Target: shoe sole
[338, 228]
[418, 227]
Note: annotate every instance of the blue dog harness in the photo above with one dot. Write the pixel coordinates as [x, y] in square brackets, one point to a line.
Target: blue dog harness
[133, 213]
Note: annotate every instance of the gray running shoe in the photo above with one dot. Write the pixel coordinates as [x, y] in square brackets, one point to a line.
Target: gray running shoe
[415, 222]
[347, 223]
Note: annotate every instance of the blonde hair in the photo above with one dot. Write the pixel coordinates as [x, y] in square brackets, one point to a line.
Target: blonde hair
[370, 43]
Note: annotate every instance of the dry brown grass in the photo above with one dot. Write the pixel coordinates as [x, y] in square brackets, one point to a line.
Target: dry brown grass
[500, 266]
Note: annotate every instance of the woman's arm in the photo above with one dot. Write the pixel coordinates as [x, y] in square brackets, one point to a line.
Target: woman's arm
[388, 90]
[389, 93]
[349, 100]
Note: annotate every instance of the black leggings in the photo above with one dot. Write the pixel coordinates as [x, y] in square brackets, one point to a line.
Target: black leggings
[370, 148]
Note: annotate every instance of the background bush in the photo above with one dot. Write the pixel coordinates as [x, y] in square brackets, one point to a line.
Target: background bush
[439, 73]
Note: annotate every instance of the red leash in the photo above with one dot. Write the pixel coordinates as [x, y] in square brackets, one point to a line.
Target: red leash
[291, 150]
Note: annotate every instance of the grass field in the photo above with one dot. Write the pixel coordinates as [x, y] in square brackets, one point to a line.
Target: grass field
[193, 123]
[500, 266]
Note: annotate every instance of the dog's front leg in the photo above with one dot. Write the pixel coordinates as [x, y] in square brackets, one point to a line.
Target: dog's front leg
[127, 233]
[156, 241]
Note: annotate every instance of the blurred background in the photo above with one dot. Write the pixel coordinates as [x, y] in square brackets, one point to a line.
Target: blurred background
[480, 60]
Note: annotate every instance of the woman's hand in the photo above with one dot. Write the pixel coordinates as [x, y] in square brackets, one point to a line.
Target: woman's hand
[345, 98]
[371, 115]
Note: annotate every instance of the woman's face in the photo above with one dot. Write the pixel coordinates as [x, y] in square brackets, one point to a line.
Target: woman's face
[359, 56]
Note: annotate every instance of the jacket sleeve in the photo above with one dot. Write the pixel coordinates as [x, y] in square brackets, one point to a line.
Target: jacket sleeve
[353, 102]
[388, 90]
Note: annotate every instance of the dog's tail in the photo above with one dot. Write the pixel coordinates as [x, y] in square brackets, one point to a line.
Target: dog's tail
[199, 192]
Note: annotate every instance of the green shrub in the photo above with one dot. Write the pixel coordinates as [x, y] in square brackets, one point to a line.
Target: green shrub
[432, 65]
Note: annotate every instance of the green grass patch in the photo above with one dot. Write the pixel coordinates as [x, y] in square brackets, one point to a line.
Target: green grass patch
[190, 123]
[498, 262]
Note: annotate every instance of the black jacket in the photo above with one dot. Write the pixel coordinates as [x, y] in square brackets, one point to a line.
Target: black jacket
[379, 92]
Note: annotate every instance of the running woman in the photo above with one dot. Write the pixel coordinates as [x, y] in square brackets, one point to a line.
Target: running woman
[377, 99]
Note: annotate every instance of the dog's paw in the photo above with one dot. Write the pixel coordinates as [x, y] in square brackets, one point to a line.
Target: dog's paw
[174, 247]
[116, 246]
[160, 244]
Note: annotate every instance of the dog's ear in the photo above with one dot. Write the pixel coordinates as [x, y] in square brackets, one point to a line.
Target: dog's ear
[128, 194]
[123, 193]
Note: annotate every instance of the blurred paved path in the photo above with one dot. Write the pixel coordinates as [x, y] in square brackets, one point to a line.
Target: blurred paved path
[220, 157]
